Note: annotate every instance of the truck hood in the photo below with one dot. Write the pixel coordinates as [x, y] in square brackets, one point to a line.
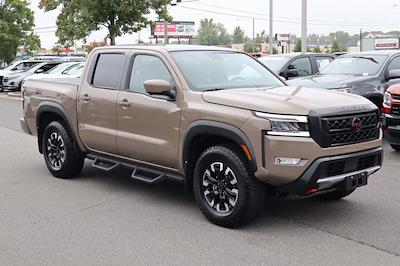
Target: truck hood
[283, 100]
[330, 81]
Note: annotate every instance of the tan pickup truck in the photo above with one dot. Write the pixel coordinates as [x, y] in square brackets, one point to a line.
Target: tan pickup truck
[213, 118]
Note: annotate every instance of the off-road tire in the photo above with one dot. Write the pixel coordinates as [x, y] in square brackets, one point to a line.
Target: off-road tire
[72, 163]
[335, 195]
[251, 193]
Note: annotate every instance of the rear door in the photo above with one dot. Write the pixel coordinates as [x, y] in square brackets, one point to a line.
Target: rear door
[97, 101]
[148, 125]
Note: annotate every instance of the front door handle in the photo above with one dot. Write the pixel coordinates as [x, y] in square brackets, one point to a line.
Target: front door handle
[86, 98]
[125, 103]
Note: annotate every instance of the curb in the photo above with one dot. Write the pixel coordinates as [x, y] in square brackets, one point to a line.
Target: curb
[14, 94]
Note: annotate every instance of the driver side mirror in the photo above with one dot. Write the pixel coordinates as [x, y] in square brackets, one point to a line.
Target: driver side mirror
[394, 74]
[290, 72]
[159, 87]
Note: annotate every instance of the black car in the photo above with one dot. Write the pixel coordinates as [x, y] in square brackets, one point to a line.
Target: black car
[296, 65]
[367, 74]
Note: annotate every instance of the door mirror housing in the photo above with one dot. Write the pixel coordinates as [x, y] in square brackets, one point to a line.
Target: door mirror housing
[291, 72]
[158, 87]
[39, 71]
[394, 74]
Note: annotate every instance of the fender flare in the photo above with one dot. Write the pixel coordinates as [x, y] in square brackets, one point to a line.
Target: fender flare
[219, 129]
[55, 108]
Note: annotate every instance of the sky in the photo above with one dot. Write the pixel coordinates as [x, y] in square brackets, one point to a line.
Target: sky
[324, 16]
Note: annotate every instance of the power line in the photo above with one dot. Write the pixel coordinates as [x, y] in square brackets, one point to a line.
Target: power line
[260, 16]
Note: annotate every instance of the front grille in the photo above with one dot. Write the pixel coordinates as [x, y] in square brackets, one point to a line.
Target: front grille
[5, 79]
[396, 96]
[396, 109]
[340, 130]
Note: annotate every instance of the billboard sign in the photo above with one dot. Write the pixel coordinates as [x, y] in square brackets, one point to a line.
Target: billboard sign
[175, 29]
[283, 37]
[387, 43]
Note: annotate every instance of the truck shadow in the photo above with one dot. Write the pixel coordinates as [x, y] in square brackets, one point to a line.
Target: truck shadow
[167, 193]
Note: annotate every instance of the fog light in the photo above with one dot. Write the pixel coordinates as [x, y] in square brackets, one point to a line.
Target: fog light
[287, 161]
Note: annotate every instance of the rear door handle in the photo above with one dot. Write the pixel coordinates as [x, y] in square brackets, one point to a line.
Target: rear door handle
[86, 98]
[125, 103]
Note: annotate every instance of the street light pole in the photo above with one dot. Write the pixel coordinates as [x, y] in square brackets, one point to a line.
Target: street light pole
[304, 27]
[166, 27]
[271, 32]
[361, 38]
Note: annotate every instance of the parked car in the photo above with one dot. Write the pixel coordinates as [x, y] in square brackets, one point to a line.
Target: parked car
[212, 118]
[391, 116]
[60, 58]
[14, 80]
[15, 67]
[296, 65]
[367, 74]
[62, 69]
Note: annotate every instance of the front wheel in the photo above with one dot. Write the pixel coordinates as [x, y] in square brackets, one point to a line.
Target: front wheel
[59, 154]
[226, 191]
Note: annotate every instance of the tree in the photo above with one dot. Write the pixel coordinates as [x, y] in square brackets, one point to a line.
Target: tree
[16, 29]
[297, 45]
[238, 35]
[211, 33]
[317, 50]
[335, 47]
[80, 18]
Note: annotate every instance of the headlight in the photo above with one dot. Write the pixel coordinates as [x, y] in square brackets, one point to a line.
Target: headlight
[387, 99]
[286, 125]
[12, 77]
[346, 89]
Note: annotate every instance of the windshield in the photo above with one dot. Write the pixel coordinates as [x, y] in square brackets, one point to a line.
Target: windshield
[61, 67]
[274, 62]
[214, 70]
[20, 66]
[360, 65]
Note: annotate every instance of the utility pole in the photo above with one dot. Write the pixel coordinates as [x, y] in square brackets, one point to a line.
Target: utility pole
[304, 27]
[271, 32]
[166, 28]
[361, 37]
[253, 37]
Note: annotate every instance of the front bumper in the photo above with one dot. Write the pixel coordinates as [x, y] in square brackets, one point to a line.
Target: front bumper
[391, 128]
[337, 172]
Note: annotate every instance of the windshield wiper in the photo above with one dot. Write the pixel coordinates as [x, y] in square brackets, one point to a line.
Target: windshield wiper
[215, 89]
[368, 58]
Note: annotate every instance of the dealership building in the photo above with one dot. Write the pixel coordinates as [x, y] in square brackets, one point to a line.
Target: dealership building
[372, 42]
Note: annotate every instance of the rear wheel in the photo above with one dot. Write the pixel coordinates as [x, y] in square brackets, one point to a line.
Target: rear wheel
[59, 154]
[225, 189]
[395, 147]
[335, 195]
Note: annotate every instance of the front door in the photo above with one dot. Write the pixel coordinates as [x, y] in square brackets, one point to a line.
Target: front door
[97, 103]
[148, 126]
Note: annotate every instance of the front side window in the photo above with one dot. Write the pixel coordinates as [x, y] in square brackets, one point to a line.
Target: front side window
[210, 70]
[147, 67]
[107, 72]
[303, 66]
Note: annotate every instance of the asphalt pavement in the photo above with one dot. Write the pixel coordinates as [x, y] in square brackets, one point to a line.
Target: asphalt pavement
[107, 219]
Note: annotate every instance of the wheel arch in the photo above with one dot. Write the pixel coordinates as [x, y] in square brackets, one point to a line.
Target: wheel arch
[217, 132]
[48, 112]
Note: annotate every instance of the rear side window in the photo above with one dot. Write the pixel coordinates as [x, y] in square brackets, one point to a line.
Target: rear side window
[107, 71]
[395, 64]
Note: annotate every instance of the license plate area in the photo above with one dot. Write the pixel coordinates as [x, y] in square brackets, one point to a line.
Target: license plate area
[355, 181]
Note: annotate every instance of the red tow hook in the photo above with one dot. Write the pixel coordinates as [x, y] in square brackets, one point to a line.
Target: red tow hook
[310, 191]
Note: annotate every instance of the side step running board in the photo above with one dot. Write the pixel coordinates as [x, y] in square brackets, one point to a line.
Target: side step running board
[141, 173]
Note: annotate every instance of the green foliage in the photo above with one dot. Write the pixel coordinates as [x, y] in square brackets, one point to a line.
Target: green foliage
[261, 38]
[238, 35]
[336, 48]
[297, 45]
[317, 50]
[78, 18]
[211, 33]
[274, 50]
[16, 29]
